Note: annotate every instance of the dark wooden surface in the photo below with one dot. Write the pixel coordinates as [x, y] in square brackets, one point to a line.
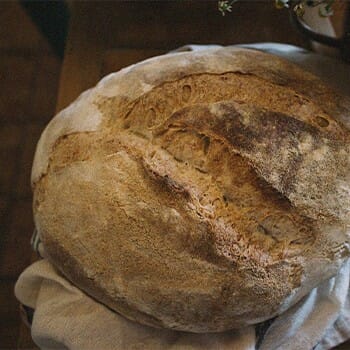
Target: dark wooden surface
[145, 28]
[29, 74]
[103, 37]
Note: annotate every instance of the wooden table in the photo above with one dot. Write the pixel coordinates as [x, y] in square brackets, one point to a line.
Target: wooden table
[106, 36]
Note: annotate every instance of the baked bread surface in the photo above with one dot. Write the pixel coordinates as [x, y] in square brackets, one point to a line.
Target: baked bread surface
[198, 191]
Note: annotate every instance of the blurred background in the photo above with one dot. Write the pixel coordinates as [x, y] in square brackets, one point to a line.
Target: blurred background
[52, 51]
[29, 75]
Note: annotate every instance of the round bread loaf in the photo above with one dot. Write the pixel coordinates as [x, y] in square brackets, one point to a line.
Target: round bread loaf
[199, 191]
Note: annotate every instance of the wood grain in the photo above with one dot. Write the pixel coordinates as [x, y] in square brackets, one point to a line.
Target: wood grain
[154, 27]
[339, 8]
[85, 46]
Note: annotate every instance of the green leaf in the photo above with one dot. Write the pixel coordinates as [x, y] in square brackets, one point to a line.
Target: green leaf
[280, 4]
[299, 9]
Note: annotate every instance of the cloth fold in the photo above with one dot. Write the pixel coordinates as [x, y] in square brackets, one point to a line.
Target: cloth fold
[67, 318]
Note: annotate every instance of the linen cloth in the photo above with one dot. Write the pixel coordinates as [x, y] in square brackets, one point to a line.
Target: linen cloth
[67, 318]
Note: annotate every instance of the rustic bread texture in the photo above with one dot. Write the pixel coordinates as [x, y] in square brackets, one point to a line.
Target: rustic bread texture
[198, 191]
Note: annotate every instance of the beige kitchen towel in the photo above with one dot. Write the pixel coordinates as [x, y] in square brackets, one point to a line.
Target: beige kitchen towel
[65, 317]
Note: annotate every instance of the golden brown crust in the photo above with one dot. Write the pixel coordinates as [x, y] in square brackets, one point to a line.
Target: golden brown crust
[212, 195]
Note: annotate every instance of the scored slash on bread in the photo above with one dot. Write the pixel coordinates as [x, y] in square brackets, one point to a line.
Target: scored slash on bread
[197, 191]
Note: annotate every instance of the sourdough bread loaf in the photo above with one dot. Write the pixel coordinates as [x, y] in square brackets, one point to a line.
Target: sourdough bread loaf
[199, 191]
